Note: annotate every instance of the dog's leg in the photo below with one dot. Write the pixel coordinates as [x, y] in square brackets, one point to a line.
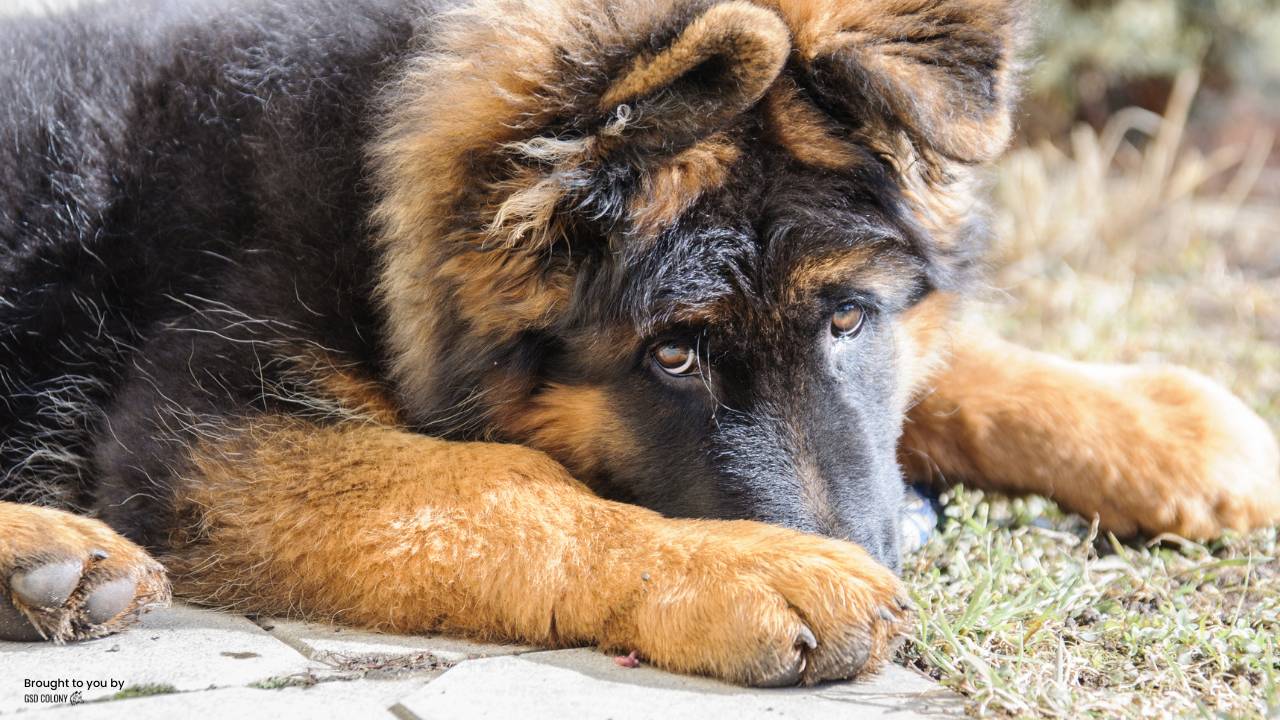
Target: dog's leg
[64, 577]
[1146, 449]
[388, 529]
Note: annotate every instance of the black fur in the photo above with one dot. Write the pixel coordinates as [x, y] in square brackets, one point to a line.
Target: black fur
[181, 183]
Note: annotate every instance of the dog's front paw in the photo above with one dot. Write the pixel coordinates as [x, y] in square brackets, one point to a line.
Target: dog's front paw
[759, 605]
[64, 577]
[1212, 464]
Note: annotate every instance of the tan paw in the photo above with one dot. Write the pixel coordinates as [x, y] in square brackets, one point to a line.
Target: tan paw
[759, 605]
[1207, 462]
[64, 577]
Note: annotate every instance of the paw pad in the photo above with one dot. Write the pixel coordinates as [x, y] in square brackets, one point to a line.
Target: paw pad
[64, 577]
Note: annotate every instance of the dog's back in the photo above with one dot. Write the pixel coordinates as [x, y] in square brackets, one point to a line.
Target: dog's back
[149, 153]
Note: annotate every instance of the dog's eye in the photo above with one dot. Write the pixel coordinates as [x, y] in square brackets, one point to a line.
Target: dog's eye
[847, 321]
[675, 358]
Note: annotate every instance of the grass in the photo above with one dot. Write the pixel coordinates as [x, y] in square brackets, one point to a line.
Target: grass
[144, 690]
[1126, 247]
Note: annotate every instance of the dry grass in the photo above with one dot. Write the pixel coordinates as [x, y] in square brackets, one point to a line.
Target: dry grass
[1108, 252]
[1126, 247]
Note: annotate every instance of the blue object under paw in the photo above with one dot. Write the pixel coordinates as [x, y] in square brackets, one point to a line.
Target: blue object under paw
[919, 518]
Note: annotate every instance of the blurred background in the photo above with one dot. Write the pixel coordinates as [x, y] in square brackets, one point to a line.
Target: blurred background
[1138, 215]
[1137, 219]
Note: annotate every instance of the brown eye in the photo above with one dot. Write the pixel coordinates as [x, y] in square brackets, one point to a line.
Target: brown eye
[675, 358]
[848, 320]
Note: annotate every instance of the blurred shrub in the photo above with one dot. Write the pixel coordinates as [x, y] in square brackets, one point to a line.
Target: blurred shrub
[1098, 56]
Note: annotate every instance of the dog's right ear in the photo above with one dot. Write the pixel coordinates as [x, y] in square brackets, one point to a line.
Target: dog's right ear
[696, 75]
[941, 72]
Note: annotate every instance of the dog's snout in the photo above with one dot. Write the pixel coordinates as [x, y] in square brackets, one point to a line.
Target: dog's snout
[881, 539]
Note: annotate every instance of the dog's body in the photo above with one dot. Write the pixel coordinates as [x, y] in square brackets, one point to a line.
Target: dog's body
[305, 298]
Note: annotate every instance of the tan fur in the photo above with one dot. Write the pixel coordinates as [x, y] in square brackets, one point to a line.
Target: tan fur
[675, 186]
[922, 343]
[807, 133]
[392, 530]
[425, 160]
[34, 536]
[753, 41]
[572, 423]
[865, 266]
[1149, 449]
[504, 291]
[751, 36]
[360, 395]
[943, 207]
[894, 41]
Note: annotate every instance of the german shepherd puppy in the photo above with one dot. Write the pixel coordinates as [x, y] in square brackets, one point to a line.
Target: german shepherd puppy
[560, 321]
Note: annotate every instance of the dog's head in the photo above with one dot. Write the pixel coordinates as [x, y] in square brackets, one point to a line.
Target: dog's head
[697, 251]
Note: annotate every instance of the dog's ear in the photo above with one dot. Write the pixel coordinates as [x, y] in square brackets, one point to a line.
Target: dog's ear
[693, 77]
[943, 72]
[628, 83]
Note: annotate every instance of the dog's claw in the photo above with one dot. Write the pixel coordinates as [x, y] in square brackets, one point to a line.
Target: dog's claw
[805, 637]
[886, 614]
[806, 641]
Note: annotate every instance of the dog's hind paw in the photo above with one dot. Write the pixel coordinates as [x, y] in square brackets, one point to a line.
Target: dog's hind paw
[1222, 469]
[64, 577]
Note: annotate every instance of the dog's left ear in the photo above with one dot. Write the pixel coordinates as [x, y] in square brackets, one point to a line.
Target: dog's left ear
[941, 71]
[714, 66]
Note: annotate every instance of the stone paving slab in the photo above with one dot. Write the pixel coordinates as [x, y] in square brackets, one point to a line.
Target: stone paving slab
[334, 644]
[218, 665]
[183, 647]
[586, 685]
[338, 700]
[215, 665]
